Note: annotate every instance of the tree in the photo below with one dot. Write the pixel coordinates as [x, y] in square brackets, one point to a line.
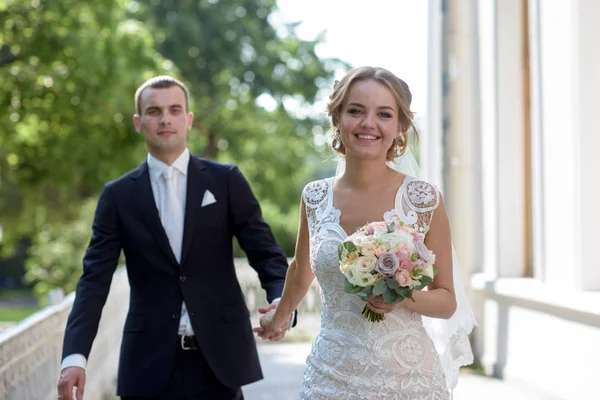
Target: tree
[232, 57]
[69, 70]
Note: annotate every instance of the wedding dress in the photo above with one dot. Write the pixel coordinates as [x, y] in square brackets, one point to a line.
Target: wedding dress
[351, 357]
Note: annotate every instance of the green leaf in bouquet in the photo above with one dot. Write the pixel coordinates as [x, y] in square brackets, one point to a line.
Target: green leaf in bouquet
[357, 289]
[391, 227]
[369, 290]
[399, 299]
[348, 287]
[349, 246]
[435, 271]
[425, 280]
[380, 288]
[390, 296]
[364, 296]
[340, 251]
[403, 291]
[417, 271]
[392, 283]
[414, 257]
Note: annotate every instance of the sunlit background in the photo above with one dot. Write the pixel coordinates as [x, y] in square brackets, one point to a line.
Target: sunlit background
[505, 95]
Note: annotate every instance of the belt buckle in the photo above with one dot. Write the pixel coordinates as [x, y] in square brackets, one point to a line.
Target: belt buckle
[183, 344]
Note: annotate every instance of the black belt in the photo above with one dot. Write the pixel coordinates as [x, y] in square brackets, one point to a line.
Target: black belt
[188, 342]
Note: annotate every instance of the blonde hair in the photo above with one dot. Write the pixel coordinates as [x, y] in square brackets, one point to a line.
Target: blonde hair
[399, 90]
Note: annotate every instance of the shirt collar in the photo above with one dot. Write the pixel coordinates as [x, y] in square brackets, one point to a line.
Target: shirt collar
[157, 167]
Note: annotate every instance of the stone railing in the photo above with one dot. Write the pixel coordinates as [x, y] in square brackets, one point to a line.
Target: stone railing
[30, 351]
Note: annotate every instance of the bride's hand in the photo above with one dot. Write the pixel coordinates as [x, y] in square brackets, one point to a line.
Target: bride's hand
[271, 328]
[378, 305]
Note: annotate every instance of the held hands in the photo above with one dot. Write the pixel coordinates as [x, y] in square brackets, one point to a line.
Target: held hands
[71, 377]
[272, 326]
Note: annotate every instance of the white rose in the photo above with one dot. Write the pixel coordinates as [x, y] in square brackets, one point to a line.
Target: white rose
[428, 270]
[368, 249]
[366, 264]
[394, 244]
[359, 239]
[366, 279]
[357, 277]
[346, 266]
[352, 274]
[405, 238]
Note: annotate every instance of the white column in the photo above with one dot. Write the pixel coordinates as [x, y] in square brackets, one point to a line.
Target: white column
[560, 181]
[489, 133]
[587, 93]
[463, 191]
[510, 141]
[502, 151]
[537, 140]
[431, 138]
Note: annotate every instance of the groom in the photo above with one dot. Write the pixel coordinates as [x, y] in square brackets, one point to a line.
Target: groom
[187, 333]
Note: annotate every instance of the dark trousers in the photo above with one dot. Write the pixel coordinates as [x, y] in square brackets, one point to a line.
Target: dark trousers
[192, 379]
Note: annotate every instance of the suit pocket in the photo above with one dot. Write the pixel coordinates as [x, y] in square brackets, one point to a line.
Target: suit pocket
[233, 312]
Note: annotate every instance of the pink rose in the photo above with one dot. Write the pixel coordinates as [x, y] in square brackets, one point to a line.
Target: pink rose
[415, 234]
[405, 251]
[403, 278]
[407, 265]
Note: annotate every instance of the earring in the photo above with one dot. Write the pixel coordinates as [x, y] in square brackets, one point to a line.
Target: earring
[336, 143]
[399, 142]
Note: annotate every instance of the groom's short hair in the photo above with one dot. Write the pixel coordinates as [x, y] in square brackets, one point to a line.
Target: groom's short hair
[161, 82]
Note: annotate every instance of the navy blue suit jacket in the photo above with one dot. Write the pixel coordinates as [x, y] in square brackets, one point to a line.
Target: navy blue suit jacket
[127, 219]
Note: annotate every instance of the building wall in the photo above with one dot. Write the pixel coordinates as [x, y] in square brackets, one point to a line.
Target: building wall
[520, 166]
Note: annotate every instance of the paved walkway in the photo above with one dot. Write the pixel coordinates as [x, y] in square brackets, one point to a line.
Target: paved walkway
[283, 366]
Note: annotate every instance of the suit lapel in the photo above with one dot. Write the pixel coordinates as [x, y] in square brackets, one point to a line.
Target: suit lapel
[197, 183]
[144, 198]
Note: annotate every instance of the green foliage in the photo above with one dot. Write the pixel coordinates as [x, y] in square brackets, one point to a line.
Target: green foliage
[283, 225]
[57, 251]
[65, 67]
[68, 72]
[380, 288]
[231, 55]
[16, 314]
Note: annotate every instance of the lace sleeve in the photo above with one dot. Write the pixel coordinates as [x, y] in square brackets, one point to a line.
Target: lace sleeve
[416, 202]
[314, 196]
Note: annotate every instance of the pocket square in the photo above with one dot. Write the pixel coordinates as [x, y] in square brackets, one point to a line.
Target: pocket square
[208, 199]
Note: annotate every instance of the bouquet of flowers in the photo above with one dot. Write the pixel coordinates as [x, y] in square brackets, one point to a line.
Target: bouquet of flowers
[390, 260]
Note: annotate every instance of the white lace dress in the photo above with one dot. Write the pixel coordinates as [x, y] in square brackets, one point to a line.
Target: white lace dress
[352, 358]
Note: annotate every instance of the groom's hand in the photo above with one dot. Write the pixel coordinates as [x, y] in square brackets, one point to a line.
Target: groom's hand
[71, 377]
[269, 328]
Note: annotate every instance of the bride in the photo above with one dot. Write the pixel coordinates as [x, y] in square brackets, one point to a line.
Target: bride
[415, 353]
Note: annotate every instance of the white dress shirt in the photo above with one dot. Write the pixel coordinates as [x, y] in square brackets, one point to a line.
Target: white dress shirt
[157, 170]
